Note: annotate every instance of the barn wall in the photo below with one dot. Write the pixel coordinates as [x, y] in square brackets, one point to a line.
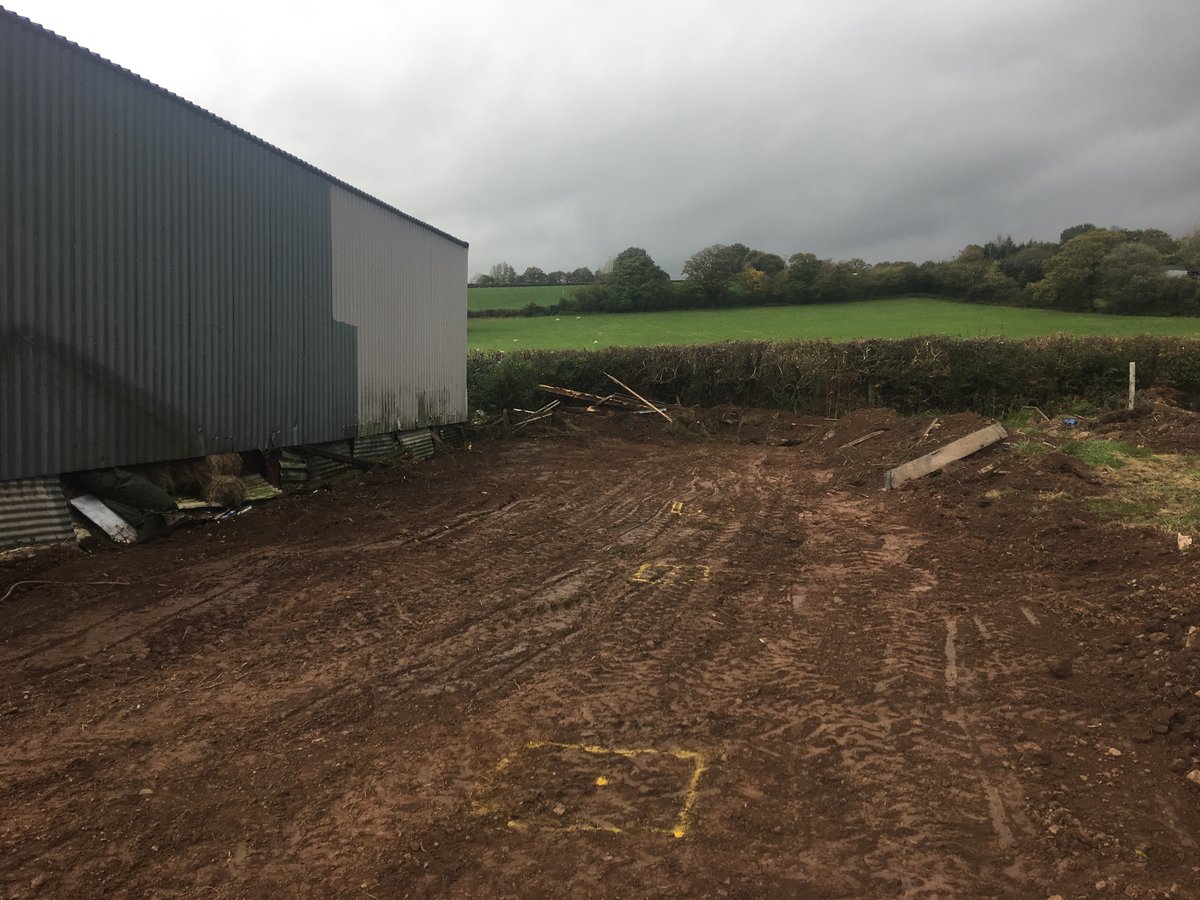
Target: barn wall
[172, 286]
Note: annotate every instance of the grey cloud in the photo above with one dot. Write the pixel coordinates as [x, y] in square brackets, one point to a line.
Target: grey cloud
[556, 136]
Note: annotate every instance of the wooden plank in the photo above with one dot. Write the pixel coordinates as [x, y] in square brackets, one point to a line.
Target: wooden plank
[943, 456]
[611, 399]
[105, 519]
[646, 402]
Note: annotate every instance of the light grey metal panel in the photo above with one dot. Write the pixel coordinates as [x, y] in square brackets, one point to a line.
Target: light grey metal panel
[167, 280]
[405, 290]
[33, 511]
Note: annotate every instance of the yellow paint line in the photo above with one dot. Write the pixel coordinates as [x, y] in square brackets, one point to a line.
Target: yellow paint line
[683, 820]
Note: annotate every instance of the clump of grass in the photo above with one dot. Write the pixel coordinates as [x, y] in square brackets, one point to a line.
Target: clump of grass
[1160, 492]
[1106, 454]
[1030, 448]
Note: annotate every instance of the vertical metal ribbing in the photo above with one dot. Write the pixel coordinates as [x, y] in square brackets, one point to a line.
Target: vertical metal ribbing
[169, 285]
[403, 288]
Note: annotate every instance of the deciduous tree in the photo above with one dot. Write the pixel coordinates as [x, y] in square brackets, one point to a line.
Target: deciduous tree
[1072, 279]
[712, 268]
[635, 281]
[503, 273]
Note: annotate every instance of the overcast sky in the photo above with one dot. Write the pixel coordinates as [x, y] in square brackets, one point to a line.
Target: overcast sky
[556, 134]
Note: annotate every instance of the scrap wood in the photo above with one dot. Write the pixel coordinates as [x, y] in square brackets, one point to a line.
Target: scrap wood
[357, 461]
[943, 456]
[524, 422]
[611, 399]
[537, 412]
[645, 402]
[17, 584]
[863, 439]
[936, 423]
[1045, 418]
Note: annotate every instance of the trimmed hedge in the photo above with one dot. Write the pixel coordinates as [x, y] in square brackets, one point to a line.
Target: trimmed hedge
[991, 376]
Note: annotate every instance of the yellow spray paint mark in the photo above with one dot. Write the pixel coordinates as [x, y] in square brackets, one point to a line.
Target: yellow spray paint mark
[670, 573]
[683, 819]
[677, 507]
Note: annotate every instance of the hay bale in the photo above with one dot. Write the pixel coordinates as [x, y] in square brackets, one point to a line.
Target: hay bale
[225, 490]
[225, 463]
[161, 476]
[191, 475]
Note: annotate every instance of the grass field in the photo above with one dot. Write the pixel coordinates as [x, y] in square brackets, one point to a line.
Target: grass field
[894, 318]
[517, 297]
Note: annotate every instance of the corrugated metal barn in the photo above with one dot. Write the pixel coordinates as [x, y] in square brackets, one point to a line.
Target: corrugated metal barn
[172, 286]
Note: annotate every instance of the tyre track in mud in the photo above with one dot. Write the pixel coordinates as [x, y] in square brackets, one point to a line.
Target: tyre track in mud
[336, 722]
[885, 748]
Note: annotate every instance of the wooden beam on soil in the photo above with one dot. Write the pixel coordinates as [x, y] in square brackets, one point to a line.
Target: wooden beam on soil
[943, 456]
[860, 440]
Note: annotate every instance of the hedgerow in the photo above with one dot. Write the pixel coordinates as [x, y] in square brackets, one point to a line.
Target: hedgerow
[991, 376]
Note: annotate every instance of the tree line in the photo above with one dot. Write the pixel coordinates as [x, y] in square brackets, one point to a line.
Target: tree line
[1115, 270]
[504, 275]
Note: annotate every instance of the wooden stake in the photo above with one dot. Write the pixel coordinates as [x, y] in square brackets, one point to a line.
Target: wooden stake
[648, 404]
[1132, 382]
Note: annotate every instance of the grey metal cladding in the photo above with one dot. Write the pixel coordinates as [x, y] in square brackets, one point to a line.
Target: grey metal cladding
[405, 290]
[167, 281]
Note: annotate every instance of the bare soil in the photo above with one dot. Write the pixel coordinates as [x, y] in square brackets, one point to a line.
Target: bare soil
[613, 660]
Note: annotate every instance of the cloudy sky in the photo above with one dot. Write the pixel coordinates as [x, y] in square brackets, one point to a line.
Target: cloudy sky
[556, 134]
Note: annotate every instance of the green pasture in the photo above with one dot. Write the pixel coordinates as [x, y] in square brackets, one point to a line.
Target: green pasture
[517, 296]
[897, 317]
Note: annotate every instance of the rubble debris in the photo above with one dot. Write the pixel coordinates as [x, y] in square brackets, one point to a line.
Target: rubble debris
[132, 497]
[645, 402]
[632, 404]
[535, 415]
[97, 512]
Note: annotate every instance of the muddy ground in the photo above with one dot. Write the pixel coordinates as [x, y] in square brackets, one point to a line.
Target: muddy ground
[610, 660]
